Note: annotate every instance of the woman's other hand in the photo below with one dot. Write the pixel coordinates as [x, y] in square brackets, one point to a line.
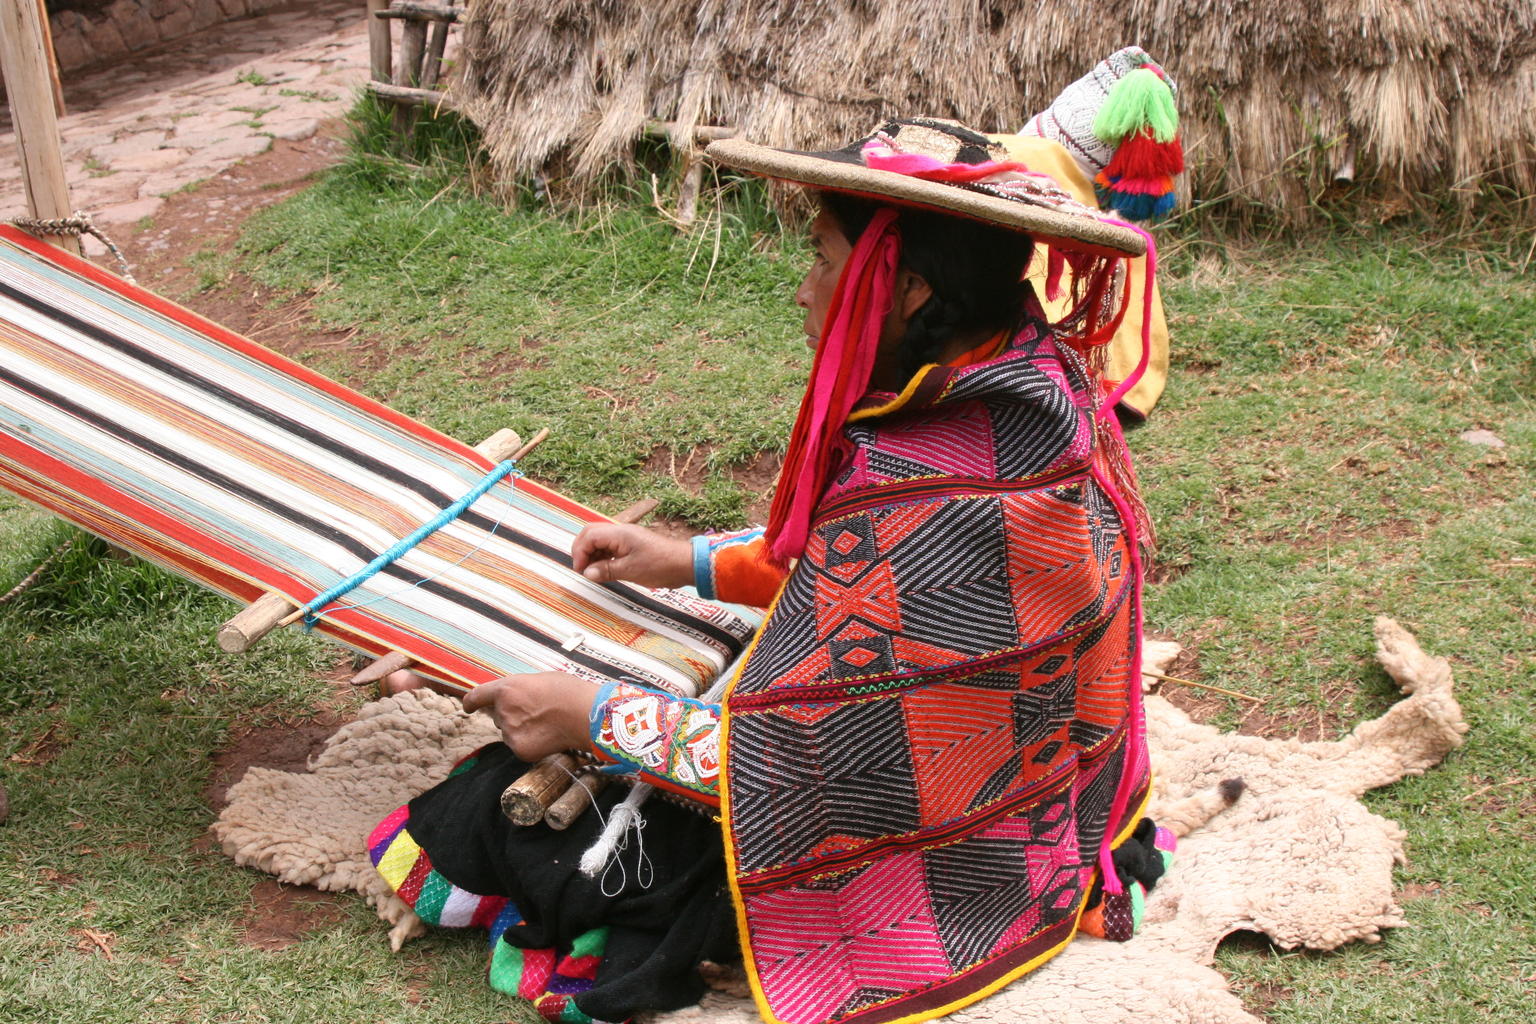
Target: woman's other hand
[604, 552]
[538, 713]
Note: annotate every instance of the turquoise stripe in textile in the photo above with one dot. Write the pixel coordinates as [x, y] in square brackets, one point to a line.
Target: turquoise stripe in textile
[241, 470]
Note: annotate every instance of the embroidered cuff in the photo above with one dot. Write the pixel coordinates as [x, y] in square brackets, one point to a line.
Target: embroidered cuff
[671, 742]
[731, 567]
[703, 568]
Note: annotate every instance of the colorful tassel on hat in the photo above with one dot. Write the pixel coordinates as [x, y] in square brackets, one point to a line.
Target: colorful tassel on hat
[1139, 118]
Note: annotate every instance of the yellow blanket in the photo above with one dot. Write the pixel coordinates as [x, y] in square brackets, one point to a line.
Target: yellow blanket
[1048, 157]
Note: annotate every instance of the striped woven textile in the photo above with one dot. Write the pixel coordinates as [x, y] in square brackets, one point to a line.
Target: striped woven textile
[197, 449]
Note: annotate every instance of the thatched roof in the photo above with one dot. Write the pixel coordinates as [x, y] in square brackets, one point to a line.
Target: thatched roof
[1425, 94]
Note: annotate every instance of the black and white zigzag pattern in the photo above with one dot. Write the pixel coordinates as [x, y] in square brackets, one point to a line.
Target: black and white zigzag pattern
[787, 802]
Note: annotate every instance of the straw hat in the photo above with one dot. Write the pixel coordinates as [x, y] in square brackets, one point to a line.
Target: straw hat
[942, 165]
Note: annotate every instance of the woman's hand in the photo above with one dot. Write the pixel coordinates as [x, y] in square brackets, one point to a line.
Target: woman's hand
[604, 552]
[538, 713]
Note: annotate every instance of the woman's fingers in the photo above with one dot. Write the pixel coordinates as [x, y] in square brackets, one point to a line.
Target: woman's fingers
[481, 696]
[599, 544]
[604, 552]
[538, 713]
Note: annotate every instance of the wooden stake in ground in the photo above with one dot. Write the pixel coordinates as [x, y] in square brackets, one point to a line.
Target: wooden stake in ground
[380, 57]
[29, 87]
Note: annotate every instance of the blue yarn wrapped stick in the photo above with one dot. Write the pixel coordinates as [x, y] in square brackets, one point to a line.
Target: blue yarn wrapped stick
[401, 547]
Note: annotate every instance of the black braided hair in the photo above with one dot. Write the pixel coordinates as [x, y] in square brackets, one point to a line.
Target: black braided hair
[976, 272]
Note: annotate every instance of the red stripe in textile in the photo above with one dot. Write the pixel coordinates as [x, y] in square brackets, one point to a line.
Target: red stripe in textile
[580, 967]
[351, 625]
[538, 967]
[410, 889]
[245, 346]
[109, 497]
[487, 911]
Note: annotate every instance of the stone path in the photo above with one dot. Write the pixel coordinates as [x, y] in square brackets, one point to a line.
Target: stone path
[137, 132]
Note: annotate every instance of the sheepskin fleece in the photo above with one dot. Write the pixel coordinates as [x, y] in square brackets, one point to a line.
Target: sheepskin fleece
[1296, 857]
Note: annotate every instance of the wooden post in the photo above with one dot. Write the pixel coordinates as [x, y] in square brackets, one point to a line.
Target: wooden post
[25, 62]
[379, 56]
[432, 67]
[259, 618]
[688, 192]
[53, 58]
[413, 45]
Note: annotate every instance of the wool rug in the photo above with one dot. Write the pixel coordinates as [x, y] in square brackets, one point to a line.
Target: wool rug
[1292, 854]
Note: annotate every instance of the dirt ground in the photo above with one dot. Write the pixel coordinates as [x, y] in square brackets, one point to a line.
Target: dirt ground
[209, 218]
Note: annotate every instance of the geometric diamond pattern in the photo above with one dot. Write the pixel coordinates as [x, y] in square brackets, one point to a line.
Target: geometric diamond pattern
[958, 634]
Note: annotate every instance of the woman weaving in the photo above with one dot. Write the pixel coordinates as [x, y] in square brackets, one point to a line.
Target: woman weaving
[926, 758]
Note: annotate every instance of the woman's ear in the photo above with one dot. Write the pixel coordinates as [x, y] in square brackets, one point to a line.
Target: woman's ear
[912, 294]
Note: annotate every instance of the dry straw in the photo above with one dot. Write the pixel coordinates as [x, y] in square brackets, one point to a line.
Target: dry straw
[1276, 98]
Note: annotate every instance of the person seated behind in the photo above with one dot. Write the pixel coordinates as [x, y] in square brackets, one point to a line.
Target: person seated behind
[933, 745]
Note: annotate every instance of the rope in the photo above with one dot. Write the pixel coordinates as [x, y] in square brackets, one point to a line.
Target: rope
[401, 547]
[76, 224]
[36, 574]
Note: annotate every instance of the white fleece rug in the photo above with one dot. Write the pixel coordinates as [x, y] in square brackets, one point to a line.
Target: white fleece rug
[1296, 857]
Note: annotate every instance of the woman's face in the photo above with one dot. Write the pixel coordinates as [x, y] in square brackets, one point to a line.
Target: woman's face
[830, 249]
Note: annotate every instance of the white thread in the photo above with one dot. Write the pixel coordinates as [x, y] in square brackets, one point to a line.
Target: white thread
[512, 483]
[615, 829]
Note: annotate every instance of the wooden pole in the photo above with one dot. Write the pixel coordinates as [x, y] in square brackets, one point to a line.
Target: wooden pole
[53, 58]
[413, 45]
[688, 192]
[379, 57]
[525, 801]
[432, 64]
[25, 62]
[259, 618]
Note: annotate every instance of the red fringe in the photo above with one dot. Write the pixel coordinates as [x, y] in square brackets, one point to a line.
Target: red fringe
[1054, 265]
[1140, 156]
[1159, 186]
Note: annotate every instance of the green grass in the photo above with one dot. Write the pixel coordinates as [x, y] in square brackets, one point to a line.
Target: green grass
[638, 345]
[1304, 469]
[1306, 473]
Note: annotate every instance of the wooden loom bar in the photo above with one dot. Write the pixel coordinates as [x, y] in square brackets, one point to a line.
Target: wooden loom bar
[258, 618]
[571, 804]
[382, 666]
[525, 801]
